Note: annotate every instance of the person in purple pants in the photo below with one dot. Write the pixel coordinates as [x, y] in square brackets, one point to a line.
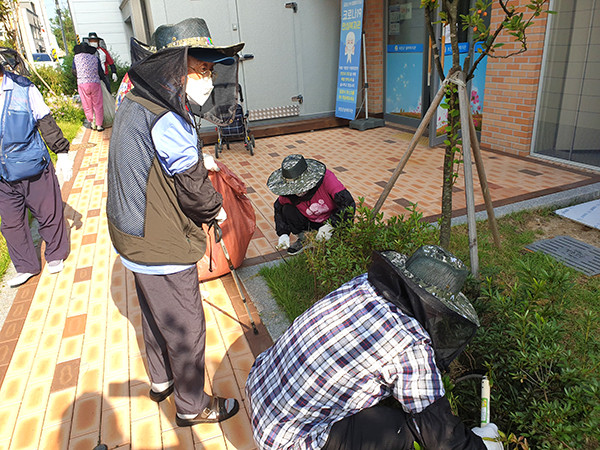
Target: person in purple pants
[28, 180]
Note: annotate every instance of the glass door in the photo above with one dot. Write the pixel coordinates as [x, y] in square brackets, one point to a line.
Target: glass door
[406, 61]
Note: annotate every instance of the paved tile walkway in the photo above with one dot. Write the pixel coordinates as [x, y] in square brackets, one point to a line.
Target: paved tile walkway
[72, 364]
[364, 162]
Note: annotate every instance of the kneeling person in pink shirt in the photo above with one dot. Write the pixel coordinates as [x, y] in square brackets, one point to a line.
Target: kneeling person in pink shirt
[310, 198]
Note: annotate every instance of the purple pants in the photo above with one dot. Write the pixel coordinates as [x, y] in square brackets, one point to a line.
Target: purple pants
[91, 101]
[41, 195]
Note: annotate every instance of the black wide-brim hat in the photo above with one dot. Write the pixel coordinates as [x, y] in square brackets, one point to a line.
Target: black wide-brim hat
[427, 286]
[193, 33]
[297, 175]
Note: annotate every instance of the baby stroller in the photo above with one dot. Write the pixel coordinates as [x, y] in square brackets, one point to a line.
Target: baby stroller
[236, 130]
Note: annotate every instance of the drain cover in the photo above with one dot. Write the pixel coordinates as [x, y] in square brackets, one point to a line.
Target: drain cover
[572, 252]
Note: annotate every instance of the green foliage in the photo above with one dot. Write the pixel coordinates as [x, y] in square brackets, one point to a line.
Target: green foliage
[539, 339]
[348, 253]
[65, 109]
[291, 284]
[69, 30]
[538, 342]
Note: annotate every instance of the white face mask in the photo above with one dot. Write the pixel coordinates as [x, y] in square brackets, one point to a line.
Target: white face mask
[94, 44]
[199, 90]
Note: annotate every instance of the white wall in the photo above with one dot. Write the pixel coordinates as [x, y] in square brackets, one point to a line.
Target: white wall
[104, 18]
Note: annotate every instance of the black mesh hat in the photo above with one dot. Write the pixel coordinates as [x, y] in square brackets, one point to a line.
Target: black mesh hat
[159, 70]
[427, 286]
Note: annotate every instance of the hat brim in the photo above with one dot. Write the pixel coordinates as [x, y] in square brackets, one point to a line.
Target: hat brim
[211, 56]
[202, 43]
[458, 303]
[309, 179]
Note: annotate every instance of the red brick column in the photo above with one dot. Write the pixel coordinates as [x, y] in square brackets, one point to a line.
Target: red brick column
[511, 88]
[373, 27]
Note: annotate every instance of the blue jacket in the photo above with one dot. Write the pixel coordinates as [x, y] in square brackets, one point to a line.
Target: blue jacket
[23, 153]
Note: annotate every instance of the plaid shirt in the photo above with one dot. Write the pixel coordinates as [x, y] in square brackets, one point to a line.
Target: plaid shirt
[346, 353]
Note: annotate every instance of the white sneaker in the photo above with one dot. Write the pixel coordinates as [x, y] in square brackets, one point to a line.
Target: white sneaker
[55, 266]
[19, 279]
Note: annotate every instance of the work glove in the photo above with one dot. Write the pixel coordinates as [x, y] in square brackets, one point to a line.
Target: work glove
[64, 166]
[221, 217]
[324, 232]
[209, 162]
[114, 77]
[284, 241]
[491, 437]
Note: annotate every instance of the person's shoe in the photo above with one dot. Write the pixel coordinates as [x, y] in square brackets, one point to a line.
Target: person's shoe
[100, 129]
[218, 409]
[94, 127]
[297, 246]
[20, 279]
[160, 396]
[56, 266]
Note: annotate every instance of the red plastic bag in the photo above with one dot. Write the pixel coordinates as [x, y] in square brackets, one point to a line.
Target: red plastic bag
[237, 229]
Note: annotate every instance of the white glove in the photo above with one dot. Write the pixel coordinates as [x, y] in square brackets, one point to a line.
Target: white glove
[209, 162]
[221, 217]
[324, 232]
[284, 241]
[114, 77]
[64, 165]
[491, 437]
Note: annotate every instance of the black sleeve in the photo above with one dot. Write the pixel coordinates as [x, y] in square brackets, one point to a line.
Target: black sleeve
[196, 195]
[442, 430]
[281, 226]
[343, 200]
[113, 68]
[52, 134]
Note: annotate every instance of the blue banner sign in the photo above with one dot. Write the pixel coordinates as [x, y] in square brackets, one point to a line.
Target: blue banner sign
[349, 62]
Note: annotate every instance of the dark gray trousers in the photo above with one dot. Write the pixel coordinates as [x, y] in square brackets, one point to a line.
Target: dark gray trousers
[375, 428]
[174, 333]
[41, 195]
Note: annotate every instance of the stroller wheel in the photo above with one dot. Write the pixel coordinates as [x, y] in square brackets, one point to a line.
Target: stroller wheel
[227, 144]
[250, 148]
[252, 140]
[217, 150]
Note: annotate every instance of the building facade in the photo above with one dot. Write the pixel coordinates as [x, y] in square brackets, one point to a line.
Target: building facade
[543, 102]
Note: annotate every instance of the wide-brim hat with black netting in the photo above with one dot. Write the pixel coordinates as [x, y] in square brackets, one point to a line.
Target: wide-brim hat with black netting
[297, 175]
[194, 34]
[427, 286]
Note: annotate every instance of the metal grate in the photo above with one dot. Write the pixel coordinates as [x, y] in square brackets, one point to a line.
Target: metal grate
[274, 113]
[572, 252]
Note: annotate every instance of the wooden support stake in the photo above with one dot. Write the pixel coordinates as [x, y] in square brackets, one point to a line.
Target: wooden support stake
[411, 146]
[468, 170]
[483, 181]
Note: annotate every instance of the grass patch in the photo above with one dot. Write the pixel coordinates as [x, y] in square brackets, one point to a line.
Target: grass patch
[539, 340]
[291, 284]
[69, 129]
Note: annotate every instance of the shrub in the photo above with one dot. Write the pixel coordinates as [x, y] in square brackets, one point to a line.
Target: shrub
[65, 109]
[348, 253]
[542, 392]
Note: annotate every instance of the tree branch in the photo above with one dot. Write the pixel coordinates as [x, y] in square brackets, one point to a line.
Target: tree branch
[434, 46]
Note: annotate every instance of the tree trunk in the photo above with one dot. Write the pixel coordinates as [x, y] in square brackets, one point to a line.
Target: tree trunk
[449, 175]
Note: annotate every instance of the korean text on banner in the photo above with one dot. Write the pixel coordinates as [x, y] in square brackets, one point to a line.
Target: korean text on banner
[349, 62]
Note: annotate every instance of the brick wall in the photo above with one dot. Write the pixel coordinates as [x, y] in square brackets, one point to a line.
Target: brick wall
[511, 88]
[374, 28]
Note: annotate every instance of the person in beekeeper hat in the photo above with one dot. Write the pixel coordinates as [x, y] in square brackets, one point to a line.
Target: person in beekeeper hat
[159, 196]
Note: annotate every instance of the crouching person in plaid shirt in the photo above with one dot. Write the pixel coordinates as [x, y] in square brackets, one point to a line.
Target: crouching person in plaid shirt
[377, 336]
